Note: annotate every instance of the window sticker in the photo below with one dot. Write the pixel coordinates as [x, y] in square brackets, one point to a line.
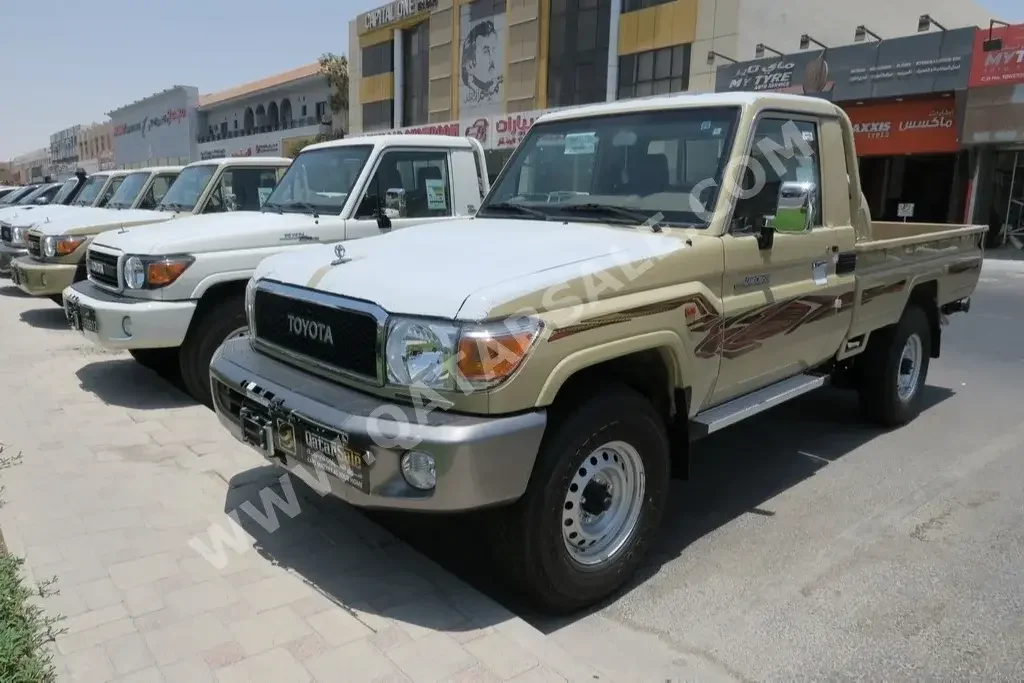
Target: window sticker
[437, 198]
[580, 143]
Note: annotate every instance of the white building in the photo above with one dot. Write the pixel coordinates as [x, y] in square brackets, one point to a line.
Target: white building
[260, 117]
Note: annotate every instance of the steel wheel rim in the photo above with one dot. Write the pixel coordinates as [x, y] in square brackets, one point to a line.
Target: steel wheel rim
[910, 368]
[616, 472]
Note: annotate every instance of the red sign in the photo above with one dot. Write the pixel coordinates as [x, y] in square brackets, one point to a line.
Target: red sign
[911, 127]
[512, 128]
[998, 67]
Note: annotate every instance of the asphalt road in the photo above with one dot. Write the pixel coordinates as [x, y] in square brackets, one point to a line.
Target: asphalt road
[808, 546]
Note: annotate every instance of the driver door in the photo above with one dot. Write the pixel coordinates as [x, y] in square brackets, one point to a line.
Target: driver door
[408, 187]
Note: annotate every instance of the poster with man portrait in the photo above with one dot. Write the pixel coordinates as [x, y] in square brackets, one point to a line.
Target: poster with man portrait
[482, 63]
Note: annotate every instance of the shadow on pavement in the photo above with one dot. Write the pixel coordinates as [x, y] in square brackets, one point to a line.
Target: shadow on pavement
[733, 473]
[49, 318]
[123, 382]
[1006, 253]
[12, 291]
[350, 559]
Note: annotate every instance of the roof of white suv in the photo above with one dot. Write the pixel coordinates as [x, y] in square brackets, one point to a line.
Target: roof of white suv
[244, 161]
[406, 140]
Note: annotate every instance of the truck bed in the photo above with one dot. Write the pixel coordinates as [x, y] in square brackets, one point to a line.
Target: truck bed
[940, 260]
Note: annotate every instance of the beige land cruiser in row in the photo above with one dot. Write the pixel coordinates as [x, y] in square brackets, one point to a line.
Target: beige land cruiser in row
[642, 274]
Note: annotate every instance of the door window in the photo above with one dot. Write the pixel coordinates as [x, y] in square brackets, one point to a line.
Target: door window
[784, 150]
[410, 184]
[242, 189]
[156, 191]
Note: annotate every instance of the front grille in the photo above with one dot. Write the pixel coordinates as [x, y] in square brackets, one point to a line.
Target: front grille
[33, 246]
[102, 268]
[5, 233]
[338, 337]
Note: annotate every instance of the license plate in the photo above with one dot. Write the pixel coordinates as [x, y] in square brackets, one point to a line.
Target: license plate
[331, 451]
[87, 318]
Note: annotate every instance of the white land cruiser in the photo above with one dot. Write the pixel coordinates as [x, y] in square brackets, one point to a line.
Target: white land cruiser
[96, 192]
[172, 294]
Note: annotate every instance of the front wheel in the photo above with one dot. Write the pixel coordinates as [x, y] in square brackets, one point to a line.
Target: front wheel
[593, 504]
[221, 320]
[894, 370]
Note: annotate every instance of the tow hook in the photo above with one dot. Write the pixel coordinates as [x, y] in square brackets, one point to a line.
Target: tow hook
[959, 306]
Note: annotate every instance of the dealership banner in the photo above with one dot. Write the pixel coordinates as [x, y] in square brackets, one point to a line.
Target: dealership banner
[913, 65]
[1002, 66]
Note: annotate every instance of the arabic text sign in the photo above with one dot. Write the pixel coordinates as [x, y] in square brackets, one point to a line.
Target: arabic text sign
[919, 64]
[998, 67]
[914, 127]
[395, 12]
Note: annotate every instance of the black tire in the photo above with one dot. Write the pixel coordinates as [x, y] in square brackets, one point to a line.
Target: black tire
[160, 361]
[215, 323]
[882, 367]
[530, 543]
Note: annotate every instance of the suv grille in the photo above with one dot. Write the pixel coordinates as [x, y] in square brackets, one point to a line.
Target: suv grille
[102, 268]
[33, 246]
[302, 327]
[5, 233]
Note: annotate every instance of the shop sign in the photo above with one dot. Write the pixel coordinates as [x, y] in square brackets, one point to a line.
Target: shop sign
[998, 67]
[510, 129]
[504, 131]
[919, 64]
[213, 154]
[148, 123]
[395, 12]
[913, 127]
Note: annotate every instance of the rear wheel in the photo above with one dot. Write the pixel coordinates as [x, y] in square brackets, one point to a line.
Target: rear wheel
[894, 370]
[218, 322]
[593, 504]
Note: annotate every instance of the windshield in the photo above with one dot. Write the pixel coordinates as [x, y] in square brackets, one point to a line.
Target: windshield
[65, 191]
[35, 194]
[130, 188]
[90, 190]
[108, 193]
[319, 180]
[622, 168]
[14, 195]
[187, 188]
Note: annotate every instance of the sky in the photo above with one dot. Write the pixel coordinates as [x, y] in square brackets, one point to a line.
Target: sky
[69, 62]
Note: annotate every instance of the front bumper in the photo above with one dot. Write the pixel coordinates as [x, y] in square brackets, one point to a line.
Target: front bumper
[153, 324]
[8, 254]
[480, 461]
[43, 279]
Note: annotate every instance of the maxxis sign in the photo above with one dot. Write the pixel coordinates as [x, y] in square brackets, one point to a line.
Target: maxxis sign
[925, 126]
[1002, 64]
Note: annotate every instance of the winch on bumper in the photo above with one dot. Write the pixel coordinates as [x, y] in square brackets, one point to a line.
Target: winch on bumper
[119, 322]
[366, 450]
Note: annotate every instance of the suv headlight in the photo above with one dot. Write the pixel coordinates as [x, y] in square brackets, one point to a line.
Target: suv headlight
[17, 235]
[61, 246]
[250, 305]
[443, 355]
[149, 272]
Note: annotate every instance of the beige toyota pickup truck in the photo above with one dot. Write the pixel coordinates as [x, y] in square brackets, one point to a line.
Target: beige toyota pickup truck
[642, 274]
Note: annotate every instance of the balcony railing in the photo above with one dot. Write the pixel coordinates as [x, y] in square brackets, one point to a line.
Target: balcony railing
[259, 130]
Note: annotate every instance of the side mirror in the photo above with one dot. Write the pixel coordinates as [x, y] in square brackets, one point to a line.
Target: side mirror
[795, 209]
[395, 203]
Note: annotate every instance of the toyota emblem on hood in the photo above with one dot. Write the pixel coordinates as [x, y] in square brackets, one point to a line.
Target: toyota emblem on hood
[339, 252]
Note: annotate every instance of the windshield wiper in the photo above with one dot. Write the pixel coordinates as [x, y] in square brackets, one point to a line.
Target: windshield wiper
[272, 207]
[518, 208]
[607, 210]
[175, 206]
[300, 205]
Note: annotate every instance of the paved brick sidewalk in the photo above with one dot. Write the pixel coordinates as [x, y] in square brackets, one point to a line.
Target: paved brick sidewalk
[119, 472]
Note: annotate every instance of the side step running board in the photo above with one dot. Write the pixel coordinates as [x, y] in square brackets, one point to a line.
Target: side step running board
[738, 409]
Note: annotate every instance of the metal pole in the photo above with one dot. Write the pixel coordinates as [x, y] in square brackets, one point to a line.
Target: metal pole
[1006, 227]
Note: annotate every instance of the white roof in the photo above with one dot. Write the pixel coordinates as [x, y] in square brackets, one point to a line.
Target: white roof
[684, 100]
[244, 161]
[410, 140]
[157, 169]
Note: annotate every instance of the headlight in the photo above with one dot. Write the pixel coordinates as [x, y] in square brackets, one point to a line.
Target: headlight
[250, 305]
[17, 235]
[154, 272]
[49, 246]
[443, 355]
[420, 352]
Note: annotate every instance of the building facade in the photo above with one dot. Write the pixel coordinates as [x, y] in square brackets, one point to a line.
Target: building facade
[261, 117]
[96, 146]
[160, 129]
[488, 68]
[64, 152]
[32, 167]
